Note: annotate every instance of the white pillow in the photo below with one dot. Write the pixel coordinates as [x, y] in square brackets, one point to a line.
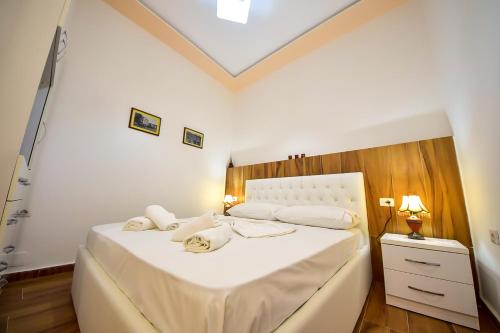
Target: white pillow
[255, 210]
[319, 216]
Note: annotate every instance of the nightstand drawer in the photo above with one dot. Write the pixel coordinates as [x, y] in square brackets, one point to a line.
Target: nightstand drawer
[437, 264]
[439, 293]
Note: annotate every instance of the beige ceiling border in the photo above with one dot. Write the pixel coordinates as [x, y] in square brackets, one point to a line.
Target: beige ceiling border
[338, 25]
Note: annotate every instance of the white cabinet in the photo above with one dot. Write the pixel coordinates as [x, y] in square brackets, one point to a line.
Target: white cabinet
[431, 276]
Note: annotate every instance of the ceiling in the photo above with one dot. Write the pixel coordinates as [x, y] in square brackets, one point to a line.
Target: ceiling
[237, 47]
[277, 33]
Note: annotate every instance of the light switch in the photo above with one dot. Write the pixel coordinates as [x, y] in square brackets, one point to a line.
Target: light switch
[387, 202]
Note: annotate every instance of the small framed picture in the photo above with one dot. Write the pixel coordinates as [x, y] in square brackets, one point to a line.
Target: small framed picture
[144, 122]
[193, 138]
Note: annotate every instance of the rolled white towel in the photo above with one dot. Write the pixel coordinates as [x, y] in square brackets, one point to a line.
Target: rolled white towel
[198, 224]
[138, 223]
[208, 240]
[163, 219]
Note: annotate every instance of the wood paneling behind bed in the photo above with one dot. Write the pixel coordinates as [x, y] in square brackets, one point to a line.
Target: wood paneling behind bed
[427, 168]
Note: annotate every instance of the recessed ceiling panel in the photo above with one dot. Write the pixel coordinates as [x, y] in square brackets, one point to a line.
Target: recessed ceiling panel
[237, 47]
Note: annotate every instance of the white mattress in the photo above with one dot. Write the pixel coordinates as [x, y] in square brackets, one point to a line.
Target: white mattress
[249, 285]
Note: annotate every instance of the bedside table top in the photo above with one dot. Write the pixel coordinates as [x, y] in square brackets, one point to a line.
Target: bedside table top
[437, 244]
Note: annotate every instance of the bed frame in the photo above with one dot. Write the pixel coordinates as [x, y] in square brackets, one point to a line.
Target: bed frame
[102, 307]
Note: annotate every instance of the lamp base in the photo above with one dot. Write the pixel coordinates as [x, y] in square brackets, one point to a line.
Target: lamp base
[415, 224]
[226, 207]
[416, 235]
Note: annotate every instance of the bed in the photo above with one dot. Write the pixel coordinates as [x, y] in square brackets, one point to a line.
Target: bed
[315, 279]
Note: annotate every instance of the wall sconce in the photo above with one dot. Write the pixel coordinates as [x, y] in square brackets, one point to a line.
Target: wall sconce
[413, 206]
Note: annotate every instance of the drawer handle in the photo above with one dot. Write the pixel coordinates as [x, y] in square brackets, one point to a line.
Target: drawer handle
[8, 249]
[3, 266]
[11, 221]
[24, 181]
[425, 291]
[422, 262]
[21, 213]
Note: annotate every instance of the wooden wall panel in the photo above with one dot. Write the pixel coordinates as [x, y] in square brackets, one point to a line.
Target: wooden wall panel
[447, 202]
[313, 165]
[330, 163]
[408, 178]
[427, 168]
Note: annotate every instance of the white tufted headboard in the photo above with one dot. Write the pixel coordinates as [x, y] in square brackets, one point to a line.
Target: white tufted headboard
[346, 190]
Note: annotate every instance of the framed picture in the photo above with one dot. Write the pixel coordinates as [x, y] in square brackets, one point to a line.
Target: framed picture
[144, 122]
[193, 138]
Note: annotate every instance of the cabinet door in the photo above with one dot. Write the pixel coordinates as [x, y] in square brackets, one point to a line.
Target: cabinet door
[454, 296]
[437, 264]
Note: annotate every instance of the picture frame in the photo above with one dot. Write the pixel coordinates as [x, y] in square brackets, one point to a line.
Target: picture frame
[193, 138]
[144, 122]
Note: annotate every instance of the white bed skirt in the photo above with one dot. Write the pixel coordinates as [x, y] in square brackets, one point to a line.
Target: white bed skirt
[102, 307]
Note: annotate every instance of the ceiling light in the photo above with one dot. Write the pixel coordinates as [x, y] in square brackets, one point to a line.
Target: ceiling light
[233, 10]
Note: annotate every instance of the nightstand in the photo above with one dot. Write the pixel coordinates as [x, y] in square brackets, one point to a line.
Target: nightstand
[432, 277]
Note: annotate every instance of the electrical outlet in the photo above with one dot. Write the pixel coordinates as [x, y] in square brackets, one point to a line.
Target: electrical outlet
[494, 237]
[387, 202]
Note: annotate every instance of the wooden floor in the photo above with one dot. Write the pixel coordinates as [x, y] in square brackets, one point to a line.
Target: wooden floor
[38, 305]
[379, 317]
[44, 305]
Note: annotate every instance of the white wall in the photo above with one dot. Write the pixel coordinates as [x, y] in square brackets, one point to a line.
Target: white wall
[372, 87]
[467, 48]
[91, 168]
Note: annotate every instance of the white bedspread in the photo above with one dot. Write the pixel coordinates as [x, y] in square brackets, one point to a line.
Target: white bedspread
[249, 285]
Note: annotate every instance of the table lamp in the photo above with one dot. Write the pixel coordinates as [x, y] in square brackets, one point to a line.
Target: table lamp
[413, 206]
[229, 200]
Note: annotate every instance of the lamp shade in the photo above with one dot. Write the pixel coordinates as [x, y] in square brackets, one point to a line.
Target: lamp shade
[413, 205]
[228, 198]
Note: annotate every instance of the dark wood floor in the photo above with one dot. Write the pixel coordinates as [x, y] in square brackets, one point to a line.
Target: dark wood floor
[44, 305]
[377, 317]
[38, 305]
